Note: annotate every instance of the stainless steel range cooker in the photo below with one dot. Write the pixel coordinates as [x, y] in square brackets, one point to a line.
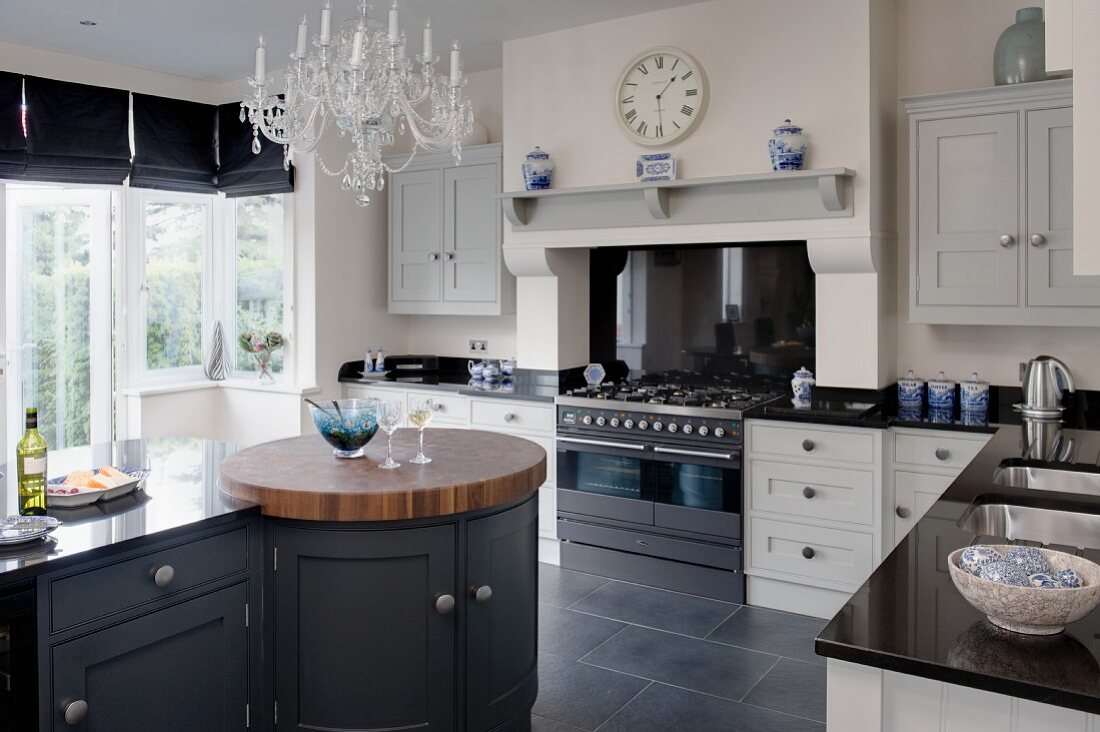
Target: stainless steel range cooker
[649, 481]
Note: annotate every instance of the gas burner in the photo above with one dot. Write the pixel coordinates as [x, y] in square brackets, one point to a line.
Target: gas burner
[656, 400]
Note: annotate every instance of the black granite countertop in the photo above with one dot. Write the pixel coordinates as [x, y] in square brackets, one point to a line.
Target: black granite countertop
[180, 495]
[534, 385]
[908, 617]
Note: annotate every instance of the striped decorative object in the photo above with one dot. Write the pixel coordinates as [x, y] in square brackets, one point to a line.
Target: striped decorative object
[216, 367]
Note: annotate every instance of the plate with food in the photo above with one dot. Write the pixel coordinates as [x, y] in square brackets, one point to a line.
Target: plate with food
[82, 487]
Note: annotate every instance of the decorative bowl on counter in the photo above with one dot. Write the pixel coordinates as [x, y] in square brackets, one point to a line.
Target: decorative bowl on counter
[1030, 610]
[346, 424]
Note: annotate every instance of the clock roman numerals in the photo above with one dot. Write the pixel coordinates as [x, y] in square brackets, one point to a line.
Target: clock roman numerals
[691, 93]
[628, 100]
[687, 111]
[660, 130]
[660, 61]
[688, 75]
[642, 68]
[652, 101]
[675, 64]
[631, 115]
[642, 127]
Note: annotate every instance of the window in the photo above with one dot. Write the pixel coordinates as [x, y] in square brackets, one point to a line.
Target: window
[260, 259]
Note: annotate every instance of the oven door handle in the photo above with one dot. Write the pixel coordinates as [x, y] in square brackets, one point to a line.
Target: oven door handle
[696, 453]
[603, 443]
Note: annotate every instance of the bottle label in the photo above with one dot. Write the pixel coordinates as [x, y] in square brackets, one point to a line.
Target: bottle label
[34, 466]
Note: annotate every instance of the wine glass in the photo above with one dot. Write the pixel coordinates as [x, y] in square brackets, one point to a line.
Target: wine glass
[420, 414]
[389, 419]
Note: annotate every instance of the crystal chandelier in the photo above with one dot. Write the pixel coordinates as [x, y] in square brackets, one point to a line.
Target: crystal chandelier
[359, 78]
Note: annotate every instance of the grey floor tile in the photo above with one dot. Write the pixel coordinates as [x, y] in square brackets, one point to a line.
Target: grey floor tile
[771, 631]
[793, 687]
[663, 708]
[562, 587]
[672, 611]
[571, 634]
[580, 695]
[542, 724]
[694, 664]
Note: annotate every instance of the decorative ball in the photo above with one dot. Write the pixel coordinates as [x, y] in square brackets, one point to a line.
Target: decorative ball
[976, 557]
[1044, 581]
[1029, 559]
[1007, 573]
[1069, 578]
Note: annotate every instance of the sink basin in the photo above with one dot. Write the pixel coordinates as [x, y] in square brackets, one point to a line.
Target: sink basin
[1045, 525]
[1041, 478]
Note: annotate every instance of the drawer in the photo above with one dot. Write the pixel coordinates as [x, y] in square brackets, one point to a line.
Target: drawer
[97, 593]
[835, 555]
[814, 444]
[506, 416]
[833, 494]
[639, 542]
[373, 392]
[936, 450]
[449, 408]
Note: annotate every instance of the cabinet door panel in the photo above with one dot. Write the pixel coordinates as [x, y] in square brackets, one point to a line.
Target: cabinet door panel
[471, 223]
[416, 236]
[358, 643]
[967, 192]
[182, 668]
[1050, 278]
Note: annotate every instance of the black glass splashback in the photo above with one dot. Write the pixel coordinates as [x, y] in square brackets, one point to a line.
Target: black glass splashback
[744, 309]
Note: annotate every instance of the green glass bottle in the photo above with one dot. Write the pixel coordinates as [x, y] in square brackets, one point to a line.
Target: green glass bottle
[30, 454]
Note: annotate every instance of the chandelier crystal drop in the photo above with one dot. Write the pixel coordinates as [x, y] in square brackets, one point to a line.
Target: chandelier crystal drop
[358, 78]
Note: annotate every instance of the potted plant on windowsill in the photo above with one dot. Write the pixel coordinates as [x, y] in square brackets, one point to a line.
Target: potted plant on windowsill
[261, 345]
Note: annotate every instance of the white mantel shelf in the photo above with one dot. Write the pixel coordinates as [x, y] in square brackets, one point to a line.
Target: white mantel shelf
[782, 196]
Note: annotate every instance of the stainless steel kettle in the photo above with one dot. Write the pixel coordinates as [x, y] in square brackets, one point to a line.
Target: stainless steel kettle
[1042, 388]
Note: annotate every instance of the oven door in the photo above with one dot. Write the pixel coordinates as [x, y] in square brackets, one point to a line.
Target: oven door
[605, 478]
[698, 490]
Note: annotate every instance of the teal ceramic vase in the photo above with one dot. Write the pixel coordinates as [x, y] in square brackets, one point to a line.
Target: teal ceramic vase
[1020, 55]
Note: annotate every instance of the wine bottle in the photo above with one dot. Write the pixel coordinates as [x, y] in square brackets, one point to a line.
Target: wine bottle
[30, 455]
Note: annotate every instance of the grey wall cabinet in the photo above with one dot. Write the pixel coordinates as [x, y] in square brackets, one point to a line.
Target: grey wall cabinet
[446, 232]
[991, 209]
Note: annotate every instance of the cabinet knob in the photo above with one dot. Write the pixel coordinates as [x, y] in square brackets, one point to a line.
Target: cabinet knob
[809, 492]
[903, 512]
[508, 416]
[808, 552]
[942, 453]
[1007, 240]
[432, 256]
[445, 604]
[163, 575]
[75, 712]
[448, 255]
[482, 594]
[1038, 240]
[437, 407]
[808, 445]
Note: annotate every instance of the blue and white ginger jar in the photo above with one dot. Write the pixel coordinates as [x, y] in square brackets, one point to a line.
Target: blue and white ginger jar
[802, 385]
[974, 394]
[538, 170]
[787, 147]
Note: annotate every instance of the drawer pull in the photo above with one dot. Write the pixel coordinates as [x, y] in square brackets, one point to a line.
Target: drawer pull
[445, 604]
[903, 512]
[808, 552]
[75, 712]
[809, 492]
[942, 453]
[437, 407]
[808, 445]
[482, 594]
[639, 542]
[163, 575]
[508, 416]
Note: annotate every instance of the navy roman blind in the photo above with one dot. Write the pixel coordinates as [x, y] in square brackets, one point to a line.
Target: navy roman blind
[242, 172]
[13, 143]
[175, 146]
[76, 133]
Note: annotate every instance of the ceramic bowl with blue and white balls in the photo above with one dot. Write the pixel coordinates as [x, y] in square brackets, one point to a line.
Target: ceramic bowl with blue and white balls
[1028, 589]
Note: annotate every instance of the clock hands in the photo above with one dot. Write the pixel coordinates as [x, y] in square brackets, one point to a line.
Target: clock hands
[660, 110]
[665, 89]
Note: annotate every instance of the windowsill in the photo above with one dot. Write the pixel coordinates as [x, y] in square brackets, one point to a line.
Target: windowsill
[232, 383]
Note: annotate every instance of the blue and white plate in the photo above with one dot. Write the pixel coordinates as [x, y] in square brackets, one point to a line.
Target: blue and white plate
[21, 529]
[84, 496]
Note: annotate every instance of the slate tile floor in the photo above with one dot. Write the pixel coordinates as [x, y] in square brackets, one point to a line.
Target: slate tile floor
[618, 657]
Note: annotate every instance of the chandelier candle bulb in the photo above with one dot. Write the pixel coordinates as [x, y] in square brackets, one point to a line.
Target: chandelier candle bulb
[428, 40]
[393, 23]
[357, 49]
[261, 61]
[303, 36]
[456, 65]
[326, 22]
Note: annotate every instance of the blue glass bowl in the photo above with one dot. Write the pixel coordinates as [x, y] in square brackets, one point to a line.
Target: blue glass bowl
[347, 424]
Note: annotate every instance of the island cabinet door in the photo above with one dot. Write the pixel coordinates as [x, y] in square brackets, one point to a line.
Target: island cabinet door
[362, 641]
[501, 618]
[180, 669]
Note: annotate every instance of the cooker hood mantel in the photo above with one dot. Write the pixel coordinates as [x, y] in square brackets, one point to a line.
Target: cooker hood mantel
[781, 196]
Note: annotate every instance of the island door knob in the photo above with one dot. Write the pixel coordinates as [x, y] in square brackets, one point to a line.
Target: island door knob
[809, 492]
[808, 552]
[482, 594]
[808, 445]
[903, 512]
[1007, 240]
[445, 604]
[1038, 240]
[75, 712]
[163, 575]
[942, 453]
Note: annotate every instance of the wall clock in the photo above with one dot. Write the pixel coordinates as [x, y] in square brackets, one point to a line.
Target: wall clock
[661, 96]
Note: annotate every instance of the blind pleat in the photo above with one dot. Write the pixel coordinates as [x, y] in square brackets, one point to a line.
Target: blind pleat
[13, 143]
[242, 172]
[174, 145]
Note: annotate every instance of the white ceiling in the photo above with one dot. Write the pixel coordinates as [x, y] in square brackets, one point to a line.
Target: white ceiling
[214, 39]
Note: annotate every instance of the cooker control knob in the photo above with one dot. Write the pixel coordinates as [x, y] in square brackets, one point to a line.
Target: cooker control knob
[614, 421]
[658, 426]
[719, 432]
[629, 424]
[586, 419]
[704, 430]
[673, 427]
[643, 425]
[601, 421]
[688, 429]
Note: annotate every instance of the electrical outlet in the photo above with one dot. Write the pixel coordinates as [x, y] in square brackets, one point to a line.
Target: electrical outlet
[479, 348]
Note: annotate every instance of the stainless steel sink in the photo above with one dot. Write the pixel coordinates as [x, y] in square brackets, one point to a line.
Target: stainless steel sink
[1027, 523]
[1047, 479]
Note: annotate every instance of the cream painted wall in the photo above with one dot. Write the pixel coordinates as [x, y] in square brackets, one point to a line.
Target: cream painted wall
[945, 45]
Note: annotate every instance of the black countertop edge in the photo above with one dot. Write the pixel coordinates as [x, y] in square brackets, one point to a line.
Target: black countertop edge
[535, 385]
[957, 676]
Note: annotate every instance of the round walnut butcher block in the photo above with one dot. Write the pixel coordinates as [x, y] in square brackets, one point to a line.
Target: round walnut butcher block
[471, 470]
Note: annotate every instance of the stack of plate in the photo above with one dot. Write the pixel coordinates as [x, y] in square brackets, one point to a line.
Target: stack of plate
[22, 529]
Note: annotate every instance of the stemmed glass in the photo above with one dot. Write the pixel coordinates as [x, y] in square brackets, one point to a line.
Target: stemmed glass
[420, 414]
[389, 419]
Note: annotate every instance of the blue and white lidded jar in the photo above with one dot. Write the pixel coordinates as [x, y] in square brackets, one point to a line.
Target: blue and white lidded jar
[911, 391]
[787, 147]
[941, 393]
[490, 372]
[802, 385]
[507, 366]
[974, 394]
[538, 170]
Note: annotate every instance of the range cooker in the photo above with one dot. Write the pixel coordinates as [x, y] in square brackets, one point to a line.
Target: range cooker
[649, 480]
